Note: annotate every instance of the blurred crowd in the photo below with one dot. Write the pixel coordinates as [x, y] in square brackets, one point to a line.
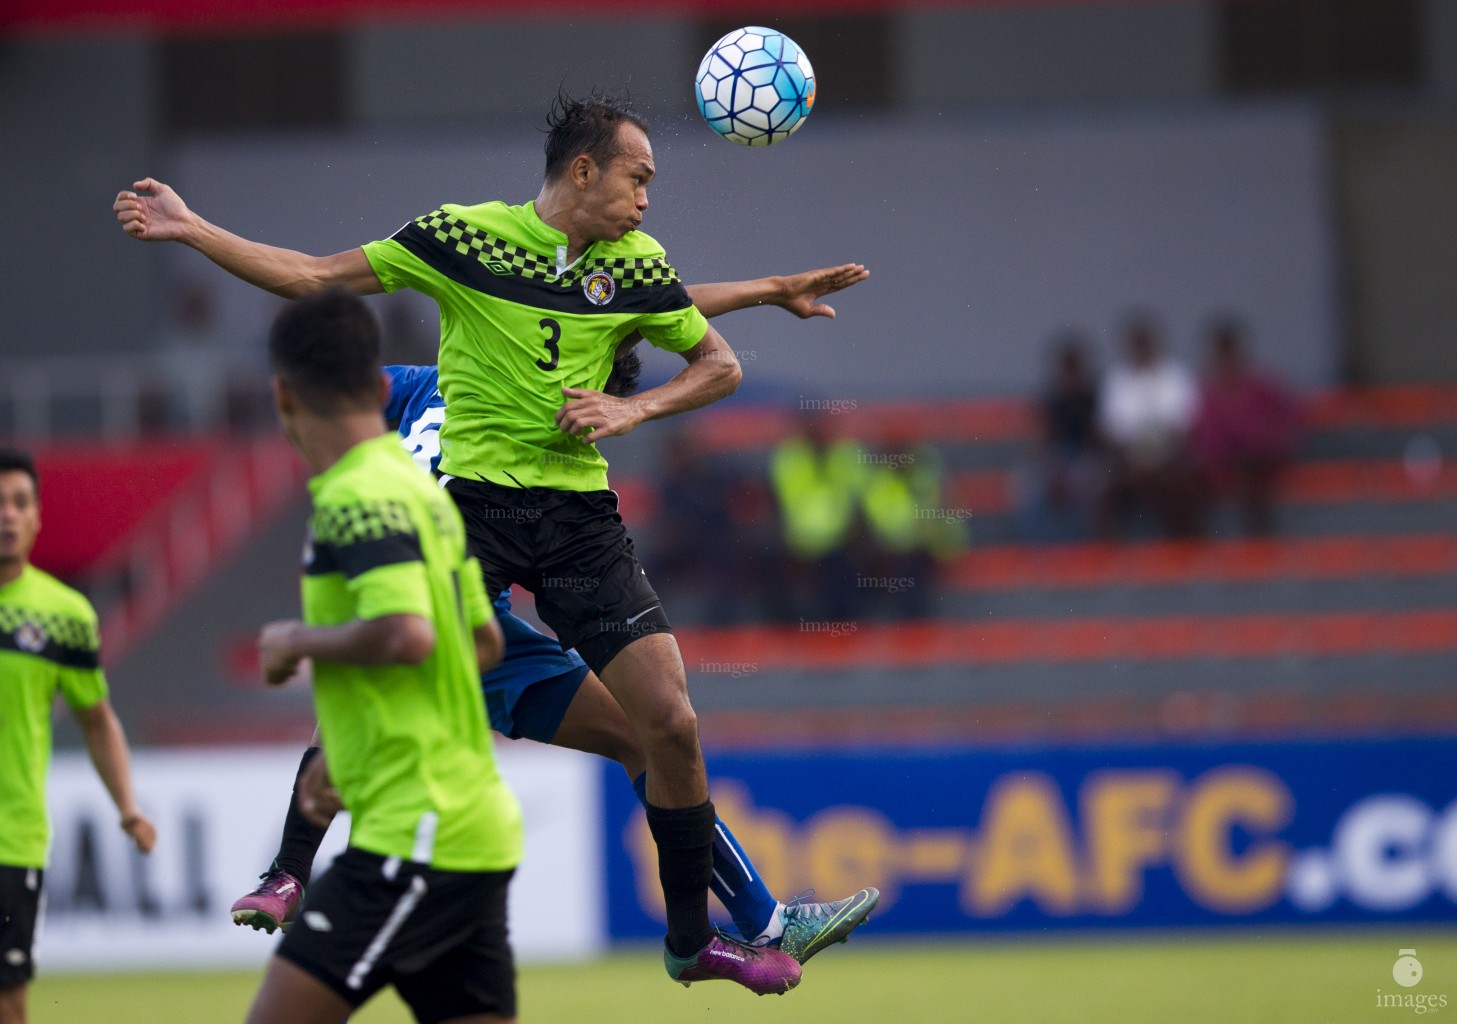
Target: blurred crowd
[831, 526]
[834, 529]
[1148, 449]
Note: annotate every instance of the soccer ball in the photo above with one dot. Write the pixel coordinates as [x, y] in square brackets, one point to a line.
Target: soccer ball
[755, 86]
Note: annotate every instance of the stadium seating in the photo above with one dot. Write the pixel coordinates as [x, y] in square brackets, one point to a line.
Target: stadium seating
[1344, 622]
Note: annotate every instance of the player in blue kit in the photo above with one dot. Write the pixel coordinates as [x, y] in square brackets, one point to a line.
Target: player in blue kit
[544, 693]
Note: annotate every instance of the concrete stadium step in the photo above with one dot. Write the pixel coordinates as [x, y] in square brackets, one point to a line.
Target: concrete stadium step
[1183, 715]
[1112, 565]
[844, 646]
[1377, 519]
[767, 686]
[747, 426]
[1202, 598]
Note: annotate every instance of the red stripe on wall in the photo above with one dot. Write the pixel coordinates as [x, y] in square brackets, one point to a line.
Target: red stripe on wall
[241, 15]
[826, 646]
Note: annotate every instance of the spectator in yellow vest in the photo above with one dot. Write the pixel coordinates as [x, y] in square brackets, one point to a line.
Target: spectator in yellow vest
[817, 480]
[908, 528]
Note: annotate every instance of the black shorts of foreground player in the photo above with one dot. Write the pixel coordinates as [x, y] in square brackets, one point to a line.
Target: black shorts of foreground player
[397, 627]
[535, 300]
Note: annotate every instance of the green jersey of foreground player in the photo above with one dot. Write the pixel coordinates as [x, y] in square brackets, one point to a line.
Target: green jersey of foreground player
[396, 625]
[535, 300]
[48, 645]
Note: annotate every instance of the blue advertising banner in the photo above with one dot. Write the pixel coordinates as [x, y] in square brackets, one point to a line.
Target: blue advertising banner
[974, 840]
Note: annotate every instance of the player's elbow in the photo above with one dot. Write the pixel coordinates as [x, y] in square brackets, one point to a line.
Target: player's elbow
[350, 271]
[730, 373]
[96, 719]
[409, 640]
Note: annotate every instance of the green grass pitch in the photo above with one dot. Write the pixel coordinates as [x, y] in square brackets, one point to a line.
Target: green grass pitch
[1289, 978]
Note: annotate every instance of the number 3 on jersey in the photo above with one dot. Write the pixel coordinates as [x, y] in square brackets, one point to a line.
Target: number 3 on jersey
[553, 335]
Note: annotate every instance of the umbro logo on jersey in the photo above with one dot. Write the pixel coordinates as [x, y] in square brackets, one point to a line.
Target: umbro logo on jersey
[316, 920]
[599, 287]
[497, 267]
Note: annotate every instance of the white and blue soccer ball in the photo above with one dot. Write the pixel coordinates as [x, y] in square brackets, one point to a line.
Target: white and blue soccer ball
[755, 86]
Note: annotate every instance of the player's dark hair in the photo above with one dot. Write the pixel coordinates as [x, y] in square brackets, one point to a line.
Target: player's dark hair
[626, 369]
[590, 125]
[13, 460]
[325, 348]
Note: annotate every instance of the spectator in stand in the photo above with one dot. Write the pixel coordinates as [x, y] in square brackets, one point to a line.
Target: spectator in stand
[1247, 429]
[817, 482]
[1067, 484]
[693, 508]
[1146, 409]
[908, 529]
[752, 592]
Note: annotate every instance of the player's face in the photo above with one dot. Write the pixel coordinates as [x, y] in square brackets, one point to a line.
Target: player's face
[19, 516]
[618, 196]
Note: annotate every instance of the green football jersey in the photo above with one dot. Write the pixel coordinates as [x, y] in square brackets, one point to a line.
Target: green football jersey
[48, 644]
[516, 327]
[408, 746]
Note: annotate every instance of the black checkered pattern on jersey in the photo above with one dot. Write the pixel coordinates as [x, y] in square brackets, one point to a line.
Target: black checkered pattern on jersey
[501, 257]
[498, 255]
[635, 272]
[342, 525]
[63, 630]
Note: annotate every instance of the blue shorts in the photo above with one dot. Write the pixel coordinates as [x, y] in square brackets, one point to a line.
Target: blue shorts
[528, 692]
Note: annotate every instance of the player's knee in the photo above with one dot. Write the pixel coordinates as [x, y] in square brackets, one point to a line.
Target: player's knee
[671, 728]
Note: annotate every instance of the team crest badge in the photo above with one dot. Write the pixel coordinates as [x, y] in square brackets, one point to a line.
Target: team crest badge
[599, 287]
[30, 637]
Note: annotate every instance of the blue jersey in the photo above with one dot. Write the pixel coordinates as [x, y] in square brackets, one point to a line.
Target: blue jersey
[527, 694]
[417, 406]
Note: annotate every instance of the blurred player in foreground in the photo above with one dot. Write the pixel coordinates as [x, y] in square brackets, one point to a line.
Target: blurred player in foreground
[535, 300]
[543, 693]
[48, 644]
[396, 625]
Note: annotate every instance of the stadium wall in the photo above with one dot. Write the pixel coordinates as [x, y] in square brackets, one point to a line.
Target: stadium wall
[985, 236]
[958, 840]
[219, 814]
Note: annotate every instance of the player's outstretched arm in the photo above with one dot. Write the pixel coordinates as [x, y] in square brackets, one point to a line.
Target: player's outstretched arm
[712, 373]
[387, 640]
[106, 743]
[160, 215]
[797, 293]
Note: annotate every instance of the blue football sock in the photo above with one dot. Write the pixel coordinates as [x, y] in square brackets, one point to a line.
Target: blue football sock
[735, 881]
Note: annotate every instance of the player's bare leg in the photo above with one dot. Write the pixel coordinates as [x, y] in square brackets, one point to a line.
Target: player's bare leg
[12, 1004]
[596, 724]
[647, 679]
[291, 995]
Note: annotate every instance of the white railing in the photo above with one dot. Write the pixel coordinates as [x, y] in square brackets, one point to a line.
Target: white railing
[115, 397]
[192, 534]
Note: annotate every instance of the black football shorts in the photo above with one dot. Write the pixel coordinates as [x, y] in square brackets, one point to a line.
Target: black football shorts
[439, 937]
[571, 550]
